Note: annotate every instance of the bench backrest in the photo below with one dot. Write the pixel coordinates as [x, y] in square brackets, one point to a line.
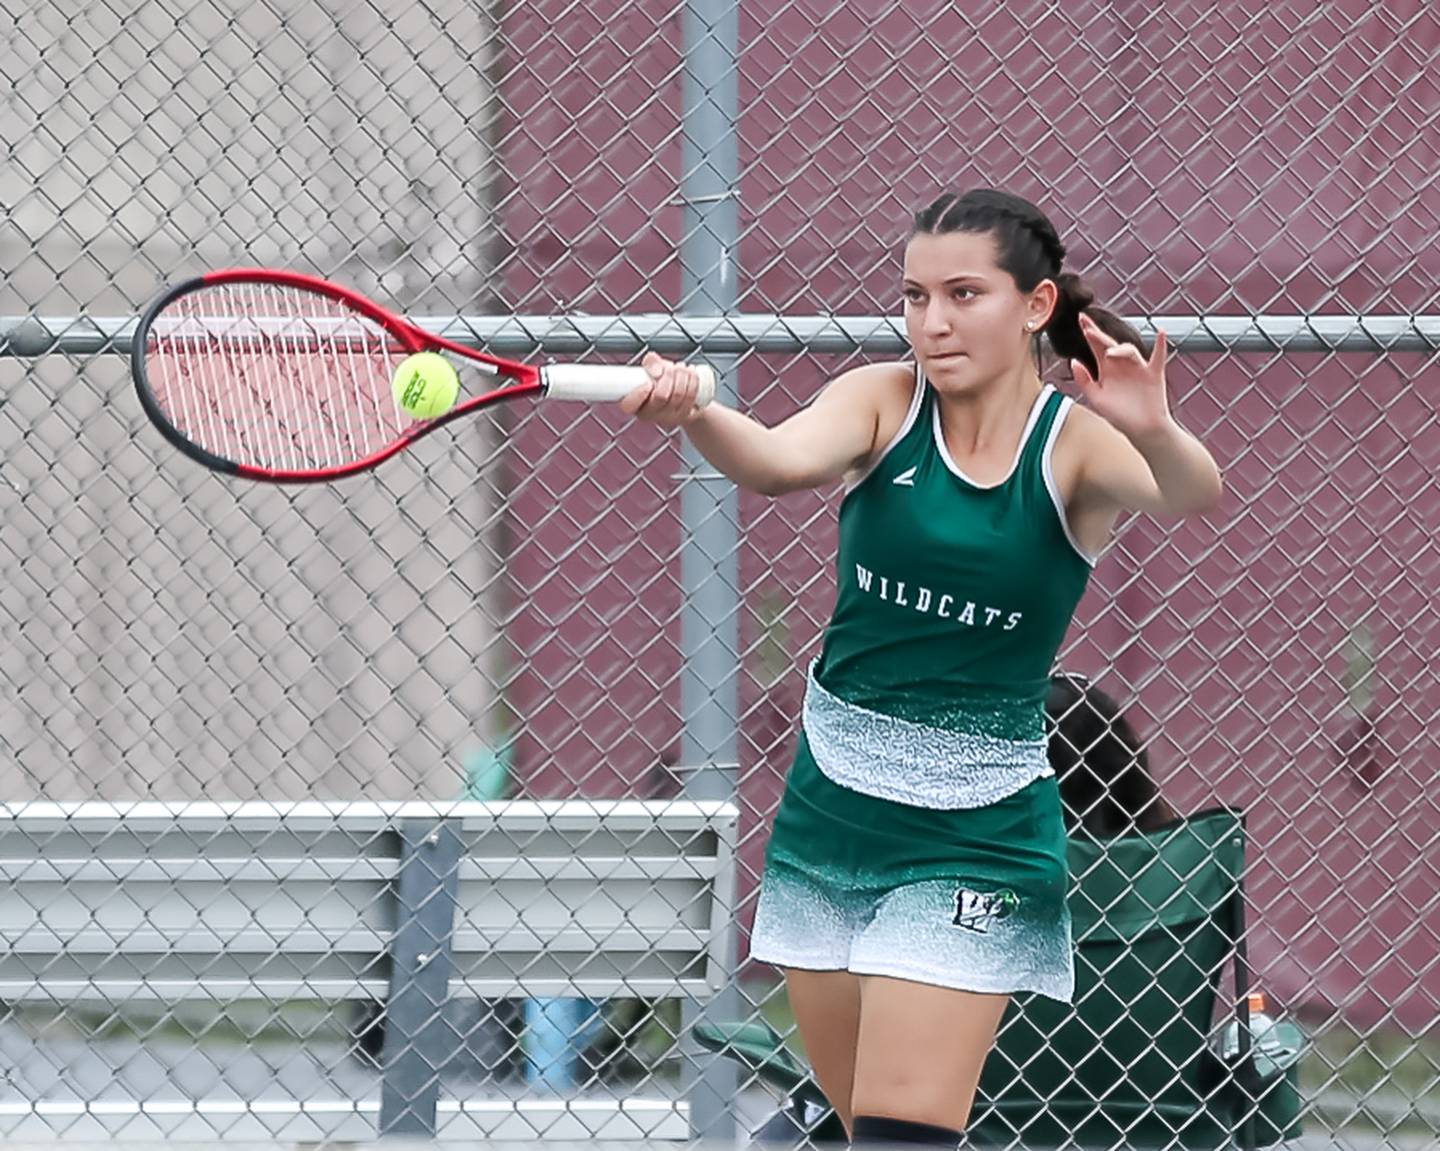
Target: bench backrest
[175, 901]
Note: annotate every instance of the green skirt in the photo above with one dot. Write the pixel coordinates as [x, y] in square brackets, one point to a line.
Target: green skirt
[973, 899]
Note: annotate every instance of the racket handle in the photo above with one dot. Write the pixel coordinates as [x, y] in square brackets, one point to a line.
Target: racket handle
[599, 383]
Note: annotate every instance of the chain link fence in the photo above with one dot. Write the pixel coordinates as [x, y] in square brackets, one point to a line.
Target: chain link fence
[514, 607]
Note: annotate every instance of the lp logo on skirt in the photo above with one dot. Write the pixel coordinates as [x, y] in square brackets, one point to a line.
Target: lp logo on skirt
[978, 910]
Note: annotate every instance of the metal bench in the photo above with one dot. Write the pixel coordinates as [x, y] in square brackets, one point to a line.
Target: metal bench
[407, 904]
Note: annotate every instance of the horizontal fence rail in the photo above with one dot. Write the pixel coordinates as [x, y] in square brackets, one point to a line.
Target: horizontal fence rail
[733, 335]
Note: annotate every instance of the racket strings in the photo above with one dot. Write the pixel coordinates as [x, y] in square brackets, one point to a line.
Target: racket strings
[275, 377]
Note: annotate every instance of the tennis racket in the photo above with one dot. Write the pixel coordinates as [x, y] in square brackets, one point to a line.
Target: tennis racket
[281, 377]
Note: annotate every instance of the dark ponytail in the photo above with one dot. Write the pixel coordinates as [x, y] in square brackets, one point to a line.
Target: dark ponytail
[1066, 337]
[1031, 251]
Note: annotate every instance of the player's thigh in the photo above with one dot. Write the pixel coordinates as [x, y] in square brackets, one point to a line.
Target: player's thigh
[921, 1050]
[827, 1011]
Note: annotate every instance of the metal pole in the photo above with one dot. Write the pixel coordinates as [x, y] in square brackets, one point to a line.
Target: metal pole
[709, 566]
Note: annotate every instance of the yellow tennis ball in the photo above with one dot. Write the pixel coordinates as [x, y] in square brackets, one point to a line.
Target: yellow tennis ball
[425, 385]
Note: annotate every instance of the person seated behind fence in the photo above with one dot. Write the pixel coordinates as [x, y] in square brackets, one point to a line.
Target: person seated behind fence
[1106, 788]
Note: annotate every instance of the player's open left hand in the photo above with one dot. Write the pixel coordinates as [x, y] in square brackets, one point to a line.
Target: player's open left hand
[1130, 392]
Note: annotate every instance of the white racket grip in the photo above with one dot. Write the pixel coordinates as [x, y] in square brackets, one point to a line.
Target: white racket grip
[599, 383]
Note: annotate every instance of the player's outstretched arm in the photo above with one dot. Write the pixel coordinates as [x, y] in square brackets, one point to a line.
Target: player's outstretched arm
[817, 445]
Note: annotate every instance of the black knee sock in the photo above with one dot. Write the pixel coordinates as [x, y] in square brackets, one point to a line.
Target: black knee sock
[875, 1129]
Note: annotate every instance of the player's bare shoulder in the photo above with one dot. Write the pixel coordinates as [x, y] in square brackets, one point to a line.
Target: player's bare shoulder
[885, 391]
[1083, 436]
[895, 391]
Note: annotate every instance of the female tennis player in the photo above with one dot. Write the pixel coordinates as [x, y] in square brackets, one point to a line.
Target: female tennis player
[916, 874]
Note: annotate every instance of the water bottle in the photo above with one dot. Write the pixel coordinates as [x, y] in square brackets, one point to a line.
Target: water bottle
[1275, 1047]
[1264, 1032]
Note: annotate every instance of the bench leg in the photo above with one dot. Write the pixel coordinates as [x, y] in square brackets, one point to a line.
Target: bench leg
[418, 1038]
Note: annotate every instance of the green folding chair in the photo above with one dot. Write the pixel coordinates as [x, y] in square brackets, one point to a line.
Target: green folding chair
[1129, 1063]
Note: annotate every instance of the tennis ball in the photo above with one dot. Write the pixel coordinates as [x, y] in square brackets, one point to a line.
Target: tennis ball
[425, 385]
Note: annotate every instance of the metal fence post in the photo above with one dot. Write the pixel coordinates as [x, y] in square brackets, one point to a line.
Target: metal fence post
[709, 564]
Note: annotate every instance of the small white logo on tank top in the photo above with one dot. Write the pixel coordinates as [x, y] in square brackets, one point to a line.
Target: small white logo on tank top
[905, 479]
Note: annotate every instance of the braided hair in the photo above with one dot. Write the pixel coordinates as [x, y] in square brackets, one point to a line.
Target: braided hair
[1030, 251]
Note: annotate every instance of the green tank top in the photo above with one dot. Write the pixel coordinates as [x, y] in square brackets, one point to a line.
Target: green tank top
[952, 598]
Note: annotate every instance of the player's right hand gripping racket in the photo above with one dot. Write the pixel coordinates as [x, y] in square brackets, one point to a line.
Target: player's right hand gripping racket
[285, 378]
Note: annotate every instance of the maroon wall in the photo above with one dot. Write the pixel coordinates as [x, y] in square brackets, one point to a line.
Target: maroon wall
[1223, 159]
